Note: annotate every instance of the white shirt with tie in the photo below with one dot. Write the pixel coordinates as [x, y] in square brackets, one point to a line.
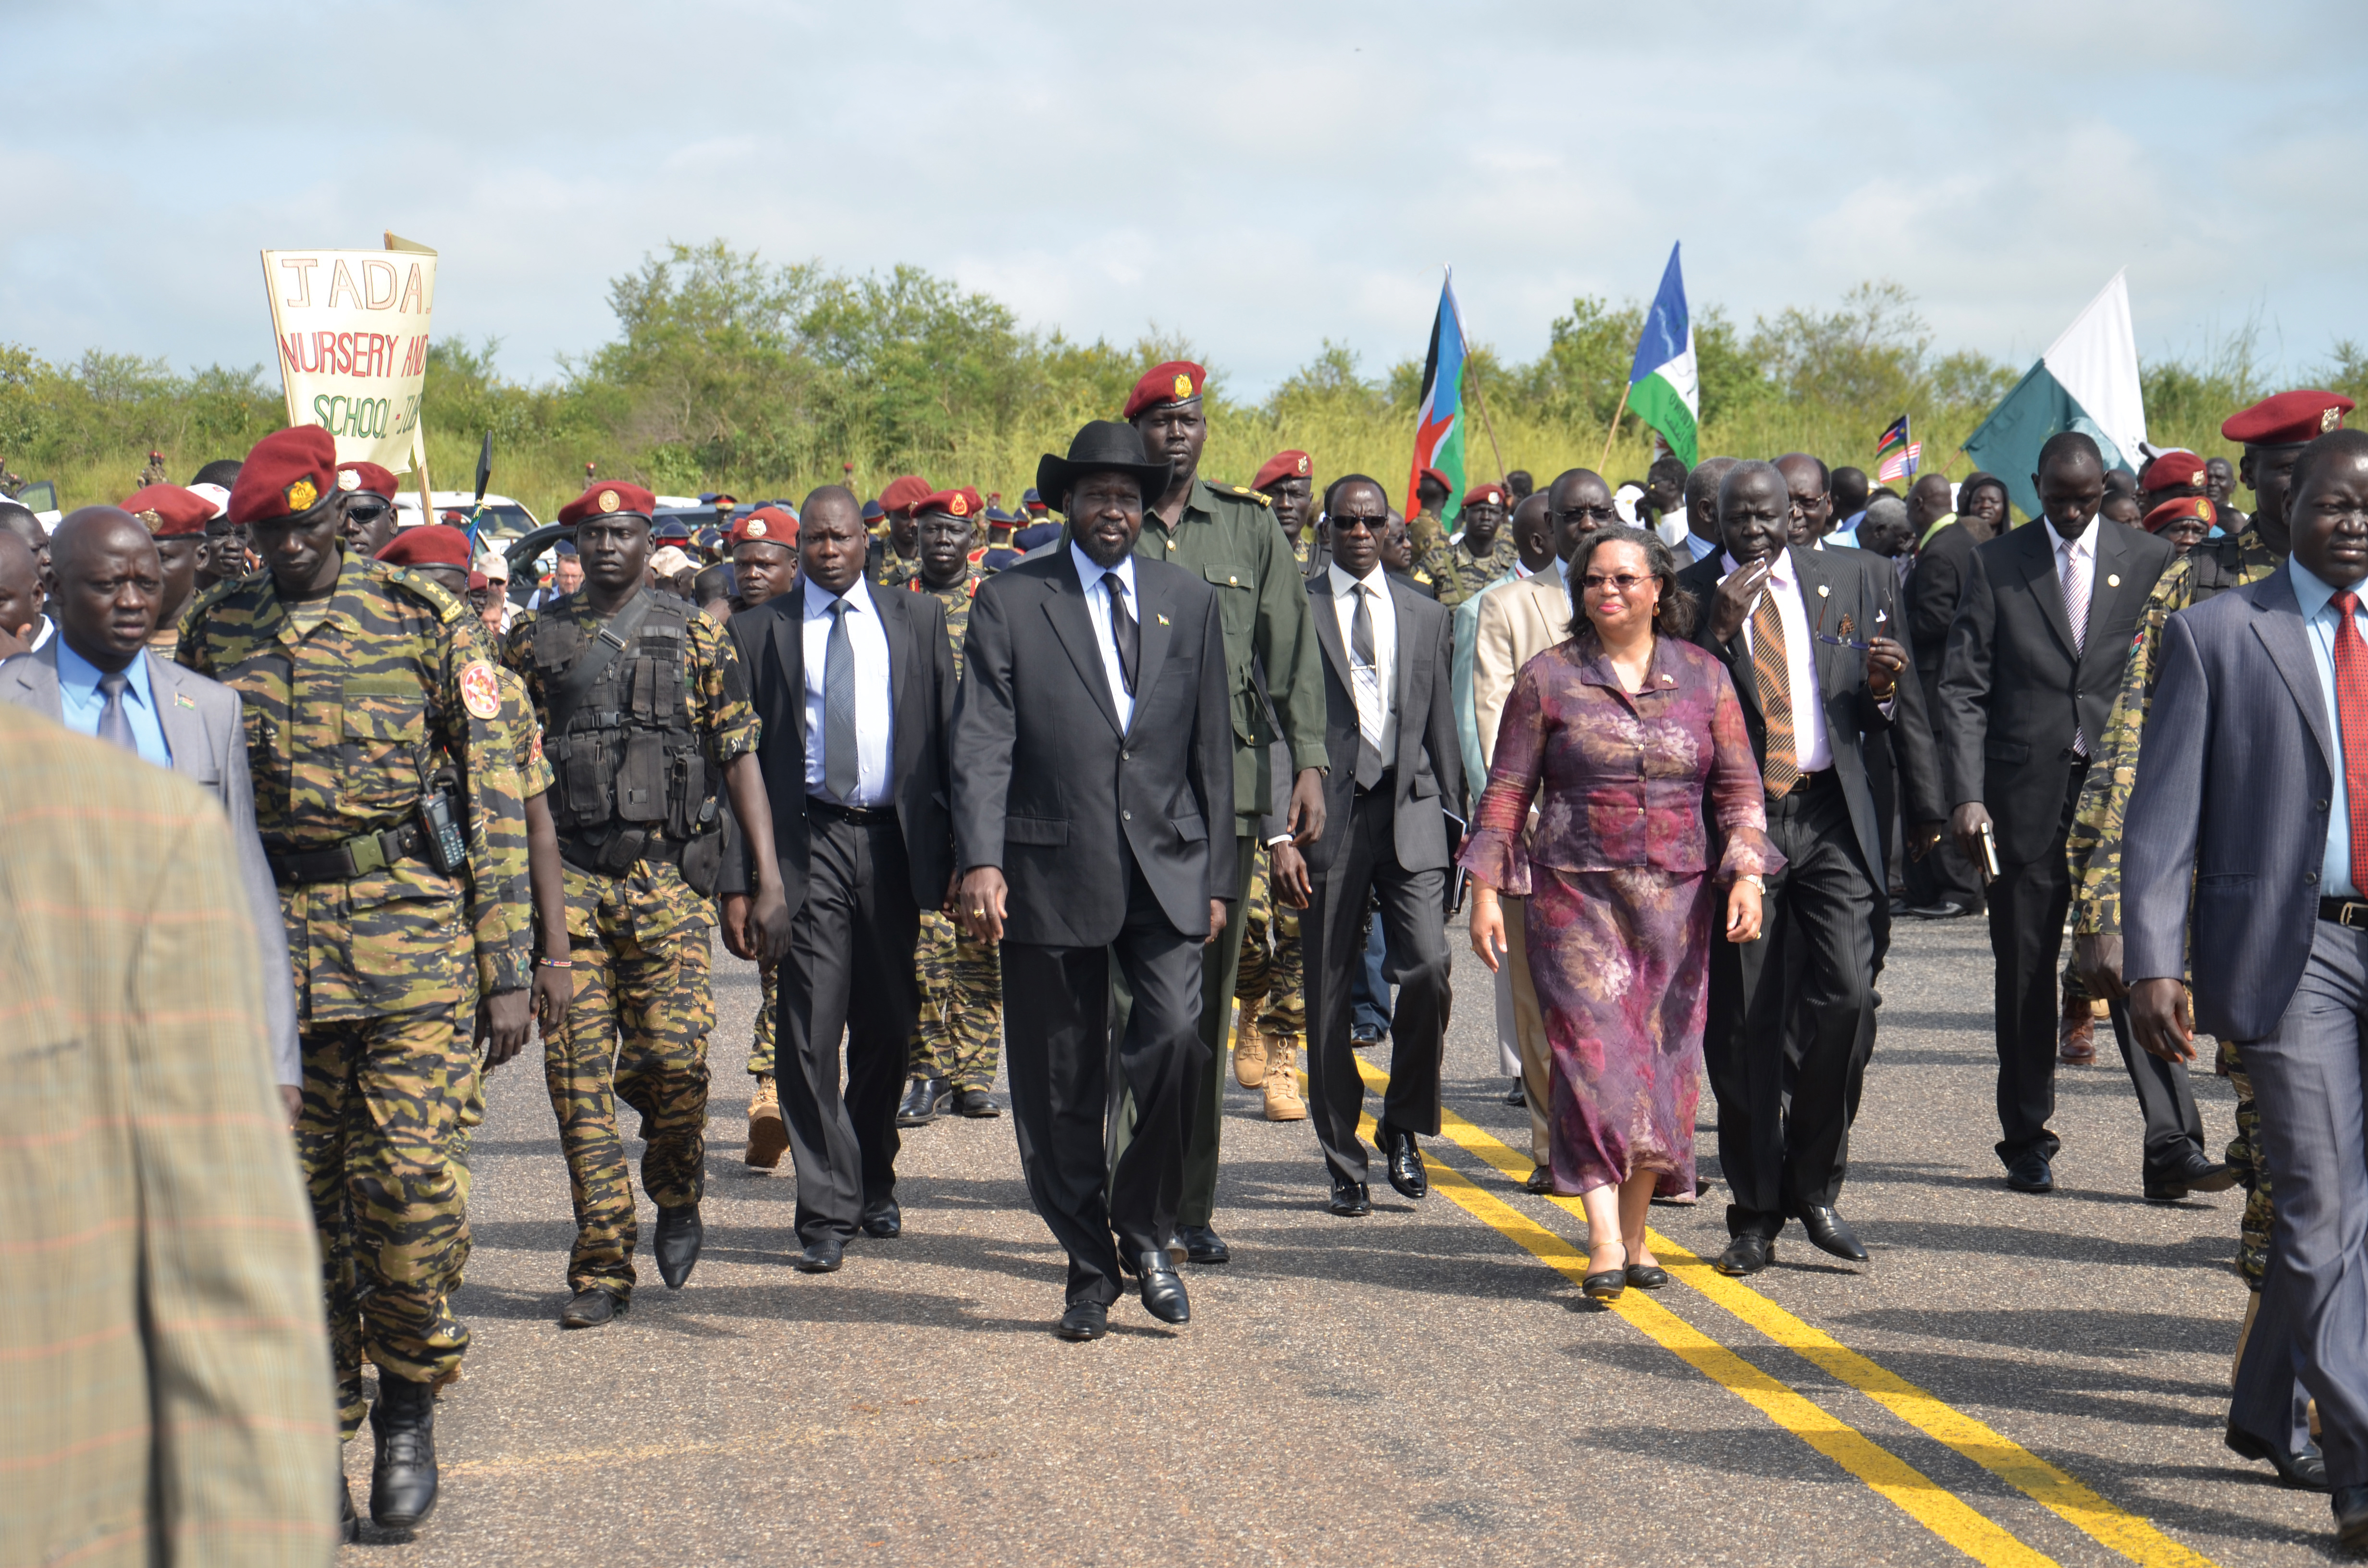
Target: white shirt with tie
[1813, 750]
[1375, 690]
[2076, 574]
[875, 706]
[1098, 611]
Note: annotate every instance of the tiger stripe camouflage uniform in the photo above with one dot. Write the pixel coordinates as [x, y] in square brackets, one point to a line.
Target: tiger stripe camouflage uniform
[2094, 844]
[1457, 574]
[355, 704]
[638, 1022]
[1272, 987]
[958, 1035]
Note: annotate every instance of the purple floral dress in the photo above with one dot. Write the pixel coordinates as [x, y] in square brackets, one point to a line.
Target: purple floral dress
[1622, 908]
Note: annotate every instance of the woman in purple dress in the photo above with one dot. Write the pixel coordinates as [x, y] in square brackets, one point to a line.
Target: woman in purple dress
[1628, 738]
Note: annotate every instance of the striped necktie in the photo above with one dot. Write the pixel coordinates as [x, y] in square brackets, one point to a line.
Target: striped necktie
[1782, 769]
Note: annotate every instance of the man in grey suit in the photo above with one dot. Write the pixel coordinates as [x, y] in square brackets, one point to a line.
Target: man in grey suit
[2245, 860]
[1387, 653]
[96, 676]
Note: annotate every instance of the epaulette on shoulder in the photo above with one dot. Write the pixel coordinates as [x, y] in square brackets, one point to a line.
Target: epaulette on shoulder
[1259, 496]
[447, 605]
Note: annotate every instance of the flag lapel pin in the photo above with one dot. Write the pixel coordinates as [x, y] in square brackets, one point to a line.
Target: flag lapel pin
[1163, 620]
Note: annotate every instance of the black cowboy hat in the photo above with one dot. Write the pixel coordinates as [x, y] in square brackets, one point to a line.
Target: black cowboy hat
[1104, 445]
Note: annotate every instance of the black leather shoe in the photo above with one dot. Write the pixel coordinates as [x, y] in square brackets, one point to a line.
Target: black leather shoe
[1350, 1199]
[2304, 1472]
[975, 1104]
[2031, 1173]
[821, 1257]
[675, 1243]
[1162, 1288]
[919, 1106]
[592, 1307]
[1083, 1321]
[1404, 1162]
[885, 1222]
[1201, 1245]
[2352, 1516]
[1745, 1255]
[1647, 1275]
[402, 1469]
[2196, 1172]
[349, 1524]
[1517, 1096]
[1828, 1231]
[1947, 909]
[1541, 1180]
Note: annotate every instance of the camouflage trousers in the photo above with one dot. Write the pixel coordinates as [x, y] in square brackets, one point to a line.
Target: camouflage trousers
[637, 1027]
[2244, 1157]
[958, 1035]
[380, 1097]
[1273, 970]
[768, 1007]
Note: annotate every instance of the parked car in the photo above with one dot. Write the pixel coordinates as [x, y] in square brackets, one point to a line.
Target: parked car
[504, 519]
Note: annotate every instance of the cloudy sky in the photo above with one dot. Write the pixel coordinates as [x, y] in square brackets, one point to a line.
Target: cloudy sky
[1257, 178]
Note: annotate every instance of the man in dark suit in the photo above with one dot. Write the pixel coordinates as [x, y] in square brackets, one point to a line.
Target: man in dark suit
[98, 677]
[1809, 638]
[1943, 884]
[2034, 658]
[1387, 653]
[1094, 743]
[856, 690]
[2258, 892]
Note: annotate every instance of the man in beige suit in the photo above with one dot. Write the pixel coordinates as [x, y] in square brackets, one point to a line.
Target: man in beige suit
[1518, 622]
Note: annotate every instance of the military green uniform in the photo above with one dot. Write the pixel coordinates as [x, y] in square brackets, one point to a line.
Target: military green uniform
[634, 772]
[1273, 976]
[1226, 536]
[357, 705]
[1456, 573]
[959, 1033]
[2094, 844]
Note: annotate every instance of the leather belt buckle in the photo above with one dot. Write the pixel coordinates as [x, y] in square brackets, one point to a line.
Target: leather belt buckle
[2352, 913]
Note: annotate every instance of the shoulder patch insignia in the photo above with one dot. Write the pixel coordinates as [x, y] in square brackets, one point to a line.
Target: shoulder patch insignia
[480, 692]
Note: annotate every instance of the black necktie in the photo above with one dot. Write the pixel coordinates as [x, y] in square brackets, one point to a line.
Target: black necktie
[114, 725]
[840, 765]
[1124, 631]
[1361, 655]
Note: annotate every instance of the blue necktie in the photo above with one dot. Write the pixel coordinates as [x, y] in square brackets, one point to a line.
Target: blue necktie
[841, 768]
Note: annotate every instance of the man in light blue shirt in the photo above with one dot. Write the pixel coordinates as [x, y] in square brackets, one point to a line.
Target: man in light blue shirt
[875, 718]
[92, 701]
[2320, 619]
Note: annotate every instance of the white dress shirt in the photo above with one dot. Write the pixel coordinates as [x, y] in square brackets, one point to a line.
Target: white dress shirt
[2084, 550]
[875, 706]
[1098, 611]
[1376, 693]
[1812, 749]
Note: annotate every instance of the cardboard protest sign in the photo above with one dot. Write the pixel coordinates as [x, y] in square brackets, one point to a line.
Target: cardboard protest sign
[352, 328]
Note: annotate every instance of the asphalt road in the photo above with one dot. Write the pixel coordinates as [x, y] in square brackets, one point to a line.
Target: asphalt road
[2014, 1379]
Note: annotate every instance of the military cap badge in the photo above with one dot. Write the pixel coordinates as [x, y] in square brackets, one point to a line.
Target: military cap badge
[755, 529]
[610, 501]
[958, 505]
[2331, 419]
[1183, 385]
[1303, 463]
[302, 494]
[350, 479]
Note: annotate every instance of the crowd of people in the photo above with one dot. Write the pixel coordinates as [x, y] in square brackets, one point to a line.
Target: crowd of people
[987, 793]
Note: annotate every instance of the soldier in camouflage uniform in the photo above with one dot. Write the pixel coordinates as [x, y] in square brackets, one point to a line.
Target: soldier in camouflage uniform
[895, 555]
[764, 547]
[1287, 481]
[958, 1036]
[642, 700]
[390, 807]
[1477, 556]
[1271, 995]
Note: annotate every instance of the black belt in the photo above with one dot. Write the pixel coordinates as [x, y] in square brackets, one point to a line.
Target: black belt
[862, 816]
[357, 856]
[2349, 912]
[1801, 786]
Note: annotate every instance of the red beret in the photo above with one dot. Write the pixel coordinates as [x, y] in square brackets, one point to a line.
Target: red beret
[2180, 506]
[903, 493]
[366, 476]
[607, 496]
[961, 503]
[479, 582]
[2171, 470]
[1484, 495]
[766, 524]
[1164, 386]
[170, 511]
[289, 472]
[426, 544]
[1436, 478]
[2289, 419]
[1282, 466]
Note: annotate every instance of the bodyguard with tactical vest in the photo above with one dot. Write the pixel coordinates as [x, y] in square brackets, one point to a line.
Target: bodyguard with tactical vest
[392, 819]
[644, 708]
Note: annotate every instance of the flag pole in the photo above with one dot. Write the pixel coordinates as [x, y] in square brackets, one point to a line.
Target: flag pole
[1613, 430]
[1478, 401]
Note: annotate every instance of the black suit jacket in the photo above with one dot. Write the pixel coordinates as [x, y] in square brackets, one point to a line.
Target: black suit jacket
[1933, 589]
[1048, 790]
[1862, 587]
[771, 639]
[1428, 768]
[2012, 690]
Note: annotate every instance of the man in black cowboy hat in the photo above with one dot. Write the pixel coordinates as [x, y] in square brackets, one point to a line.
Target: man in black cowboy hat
[1082, 824]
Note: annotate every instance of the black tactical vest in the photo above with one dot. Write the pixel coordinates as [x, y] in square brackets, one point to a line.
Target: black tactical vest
[630, 773]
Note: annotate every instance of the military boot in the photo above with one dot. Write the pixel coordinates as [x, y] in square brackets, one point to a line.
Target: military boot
[1282, 1101]
[402, 1471]
[767, 1134]
[1249, 1054]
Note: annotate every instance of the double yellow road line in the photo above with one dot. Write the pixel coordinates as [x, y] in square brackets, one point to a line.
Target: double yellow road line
[1915, 1493]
